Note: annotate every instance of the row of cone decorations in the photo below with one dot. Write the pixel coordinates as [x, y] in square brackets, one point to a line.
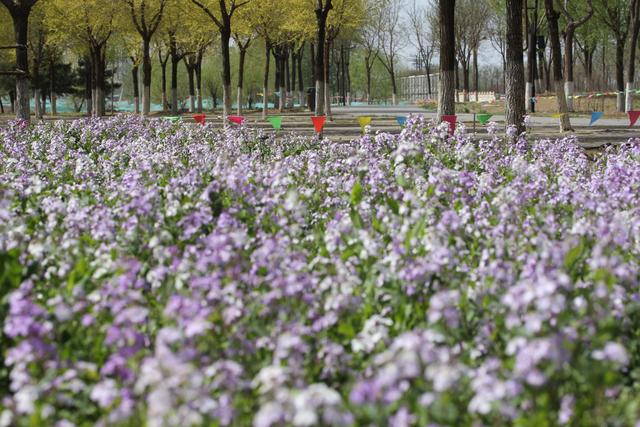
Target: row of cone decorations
[276, 121]
[589, 95]
[364, 121]
[597, 115]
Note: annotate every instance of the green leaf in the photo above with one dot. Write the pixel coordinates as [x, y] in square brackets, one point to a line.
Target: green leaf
[356, 219]
[356, 193]
[346, 329]
[393, 205]
[402, 181]
[574, 254]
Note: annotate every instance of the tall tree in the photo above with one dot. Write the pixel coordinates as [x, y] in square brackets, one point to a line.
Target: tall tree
[569, 37]
[391, 38]
[633, 44]
[267, 25]
[446, 90]
[369, 40]
[163, 59]
[243, 41]
[554, 37]
[498, 39]
[221, 12]
[422, 38]
[90, 24]
[344, 19]
[37, 43]
[322, 9]
[471, 22]
[19, 11]
[196, 38]
[515, 91]
[146, 16]
[615, 14]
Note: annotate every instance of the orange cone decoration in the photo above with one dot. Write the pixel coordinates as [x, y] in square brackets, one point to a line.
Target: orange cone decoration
[318, 122]
[236, 119]
[200, 118]
[452, 123]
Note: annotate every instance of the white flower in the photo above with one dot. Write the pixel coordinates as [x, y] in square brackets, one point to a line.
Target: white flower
[613, 352]
[375, 330]
[269, 414]
[5, 418]
[25, 399]
[105, 393]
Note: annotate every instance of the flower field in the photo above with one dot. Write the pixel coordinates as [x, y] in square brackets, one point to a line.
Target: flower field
[159, 274]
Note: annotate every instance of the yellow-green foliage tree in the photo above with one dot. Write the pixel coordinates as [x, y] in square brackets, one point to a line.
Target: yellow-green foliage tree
[296, 29]
[195, 39]
[243, 35]
[261, 17]
[146, 16]
[19, 11]
[36, 42]
[87, 25]
[129, 41]
[221, 13]
[173, 32]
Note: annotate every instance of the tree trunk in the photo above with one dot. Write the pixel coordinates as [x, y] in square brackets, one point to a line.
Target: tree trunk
[294, 70]
[446, 90]
[554, 37]
[175, 60]
[52, 87]
[540, 84]
[87, 84]
[94, 83]
[568, 65]
[313, 63]
[476, 75]
[465, 81]
[146, 76]
[283, 82]
[515, 90]
[368, 67]
[20, 19]
[225, 36]
[394, 87]
[265, 86]
[163, 66]
[43, 95]
[588, 69]
[243, 54]
[199, 78]
[192, 86]
[100, 80]
[320, 54]
[327, 86]
[530, 91]
[631, 71]
[457, 80]
[279, 83]
[136, 89]
[429, 90]
[287, 80]
[348, 75]
[300, 78]
[620, 74]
